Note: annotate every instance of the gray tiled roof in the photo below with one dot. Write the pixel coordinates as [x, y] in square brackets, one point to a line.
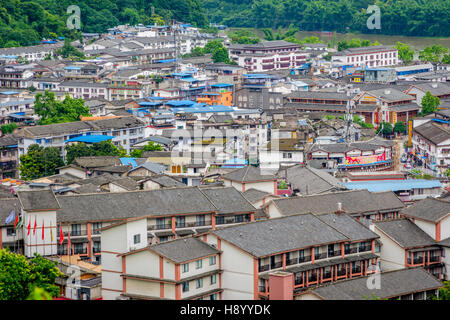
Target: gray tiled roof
[430, 208]
[350, 227]
[97, 161]
[263, 238]
[38, 200]
[150, 166]
[6, 206]
[391, 94]
[166, 181]
[228, 200]
[433, 132]
[247, 174]
[104, 206]
[184, 249]
[253, 195]
[393, 283]
[405, 233]
[353, 202]
[309, 179]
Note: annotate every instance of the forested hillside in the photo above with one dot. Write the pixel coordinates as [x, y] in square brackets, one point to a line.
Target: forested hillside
[25, 22]
[400, 17]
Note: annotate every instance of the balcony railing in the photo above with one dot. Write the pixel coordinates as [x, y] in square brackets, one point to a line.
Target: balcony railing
[291, 261]
[262, 288]
[299, 279]
[351, 250]
[312, 278]
[96, 250]
[75, 233]
[80, 250]
[334, 253]
[356, 270]
[163, 226]
[418, 260]
[304, 259]
[434, 258]
[341, 272]
[276, 265]
[264, 268]
[320, 256]
[326, 275]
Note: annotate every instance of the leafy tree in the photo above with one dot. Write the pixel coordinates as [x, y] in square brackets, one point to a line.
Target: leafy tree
[404, 52]
[53, 111]
[150, 146]
[103, 148]
[212, 46]
[39, 162]
[220, 55]
[136, 153]
[68, 50]
[9, 128]
[244, 37]
[430, 104]
[400, 127]
[433, 53]
[444, 292]
[20, 278]
[39, 294]
[385, 128]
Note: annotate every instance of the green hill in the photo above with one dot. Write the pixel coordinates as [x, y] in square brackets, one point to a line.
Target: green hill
[398, 17]
[25, 22]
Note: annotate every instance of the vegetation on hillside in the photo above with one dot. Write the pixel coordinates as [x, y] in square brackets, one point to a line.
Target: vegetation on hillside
[401, 17]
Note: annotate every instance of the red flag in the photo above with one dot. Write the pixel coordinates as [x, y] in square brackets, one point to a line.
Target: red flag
[15, 222]
[61, 234]
[29, 227]
[42, 229]
[35, 225]
[69, 249]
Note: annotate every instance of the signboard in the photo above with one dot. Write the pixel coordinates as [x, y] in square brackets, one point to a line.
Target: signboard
[365, 159]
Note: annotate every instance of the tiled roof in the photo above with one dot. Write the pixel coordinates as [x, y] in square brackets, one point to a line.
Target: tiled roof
[405, 233]
[430, 209]
[38, 200]
[184, 249]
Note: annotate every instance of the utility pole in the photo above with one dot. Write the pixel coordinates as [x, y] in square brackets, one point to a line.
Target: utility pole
[175, 44]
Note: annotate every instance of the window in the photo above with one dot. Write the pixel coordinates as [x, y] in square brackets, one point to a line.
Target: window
[97, 247]
[199, 264]
[213, 279]
[95, 227]
[212, 260]
[160, 223]
[180, 222]
[220, 220]
[199, 283]
[331, 250]
[76, 230]
[185, 286]
[347, 248]
[200, 220]
[316, 252]
[214, 296]
[10, 232]
[287, 155]
[137, 238]
[185, 267]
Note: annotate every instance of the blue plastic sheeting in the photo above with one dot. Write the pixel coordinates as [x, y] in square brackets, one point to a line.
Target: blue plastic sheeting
[180, 103]
[440, 120]
[393, 185]
[149, 104]
[221, 85]
[235, 163]
[129, 162]
[90, 139]
[165, 61]
[199, 108]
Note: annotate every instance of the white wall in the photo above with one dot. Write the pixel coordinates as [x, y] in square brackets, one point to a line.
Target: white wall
[428, 227]
[392, 256]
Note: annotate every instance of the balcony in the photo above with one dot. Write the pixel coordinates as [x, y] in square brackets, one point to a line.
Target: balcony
[334, 253]
[312, 278]
[341, 272]
[434, 258]
[75, 233]
[163, 226]
[96, 250]
[418, 260]
[320, 256]
[262, 288]
[326, 275]
[80, 250]
[276, 265]
[298, 279]
[290, 262]
[351, 250]
[264, 268]
[304, 259]
[62, 252]
[356, 270]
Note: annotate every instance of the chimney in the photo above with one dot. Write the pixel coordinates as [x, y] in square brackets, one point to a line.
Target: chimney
[339, 210]
[281, 285]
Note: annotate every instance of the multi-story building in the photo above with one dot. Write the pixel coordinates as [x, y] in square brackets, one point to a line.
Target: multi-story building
[373, 56]
[9, 157]
[15, 76]
[315, 249]
[125, 131]
[406, 245]
[431, 141]
[179, 269]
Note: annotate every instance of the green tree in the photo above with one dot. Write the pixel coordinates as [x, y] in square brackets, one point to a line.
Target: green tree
[53, 111]
[400, 127]
[220, 55]
[444, 292]
[19, 277]
[404, 52]
[103, 148]
[68, 51]
[430, 104]
[385, 128]
[9, 128]
[433, 53]
[39, 162]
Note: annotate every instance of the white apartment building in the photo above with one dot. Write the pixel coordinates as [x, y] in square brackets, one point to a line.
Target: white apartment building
[373, 56]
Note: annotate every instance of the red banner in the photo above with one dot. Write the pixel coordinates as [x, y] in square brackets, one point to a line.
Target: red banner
[365, 159]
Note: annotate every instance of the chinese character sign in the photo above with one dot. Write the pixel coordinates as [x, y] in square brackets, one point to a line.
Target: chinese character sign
[365, 159]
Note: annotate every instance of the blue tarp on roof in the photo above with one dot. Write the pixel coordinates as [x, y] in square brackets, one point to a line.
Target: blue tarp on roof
[393, 185]
[189, 79]
[149, 104]
[129, 162]
[235, 163]
[180, 74]
[90, 139]
[72, 68]
[204, 108]
[180, 103]
[9, 92]
[221, 85]
[165, 61]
